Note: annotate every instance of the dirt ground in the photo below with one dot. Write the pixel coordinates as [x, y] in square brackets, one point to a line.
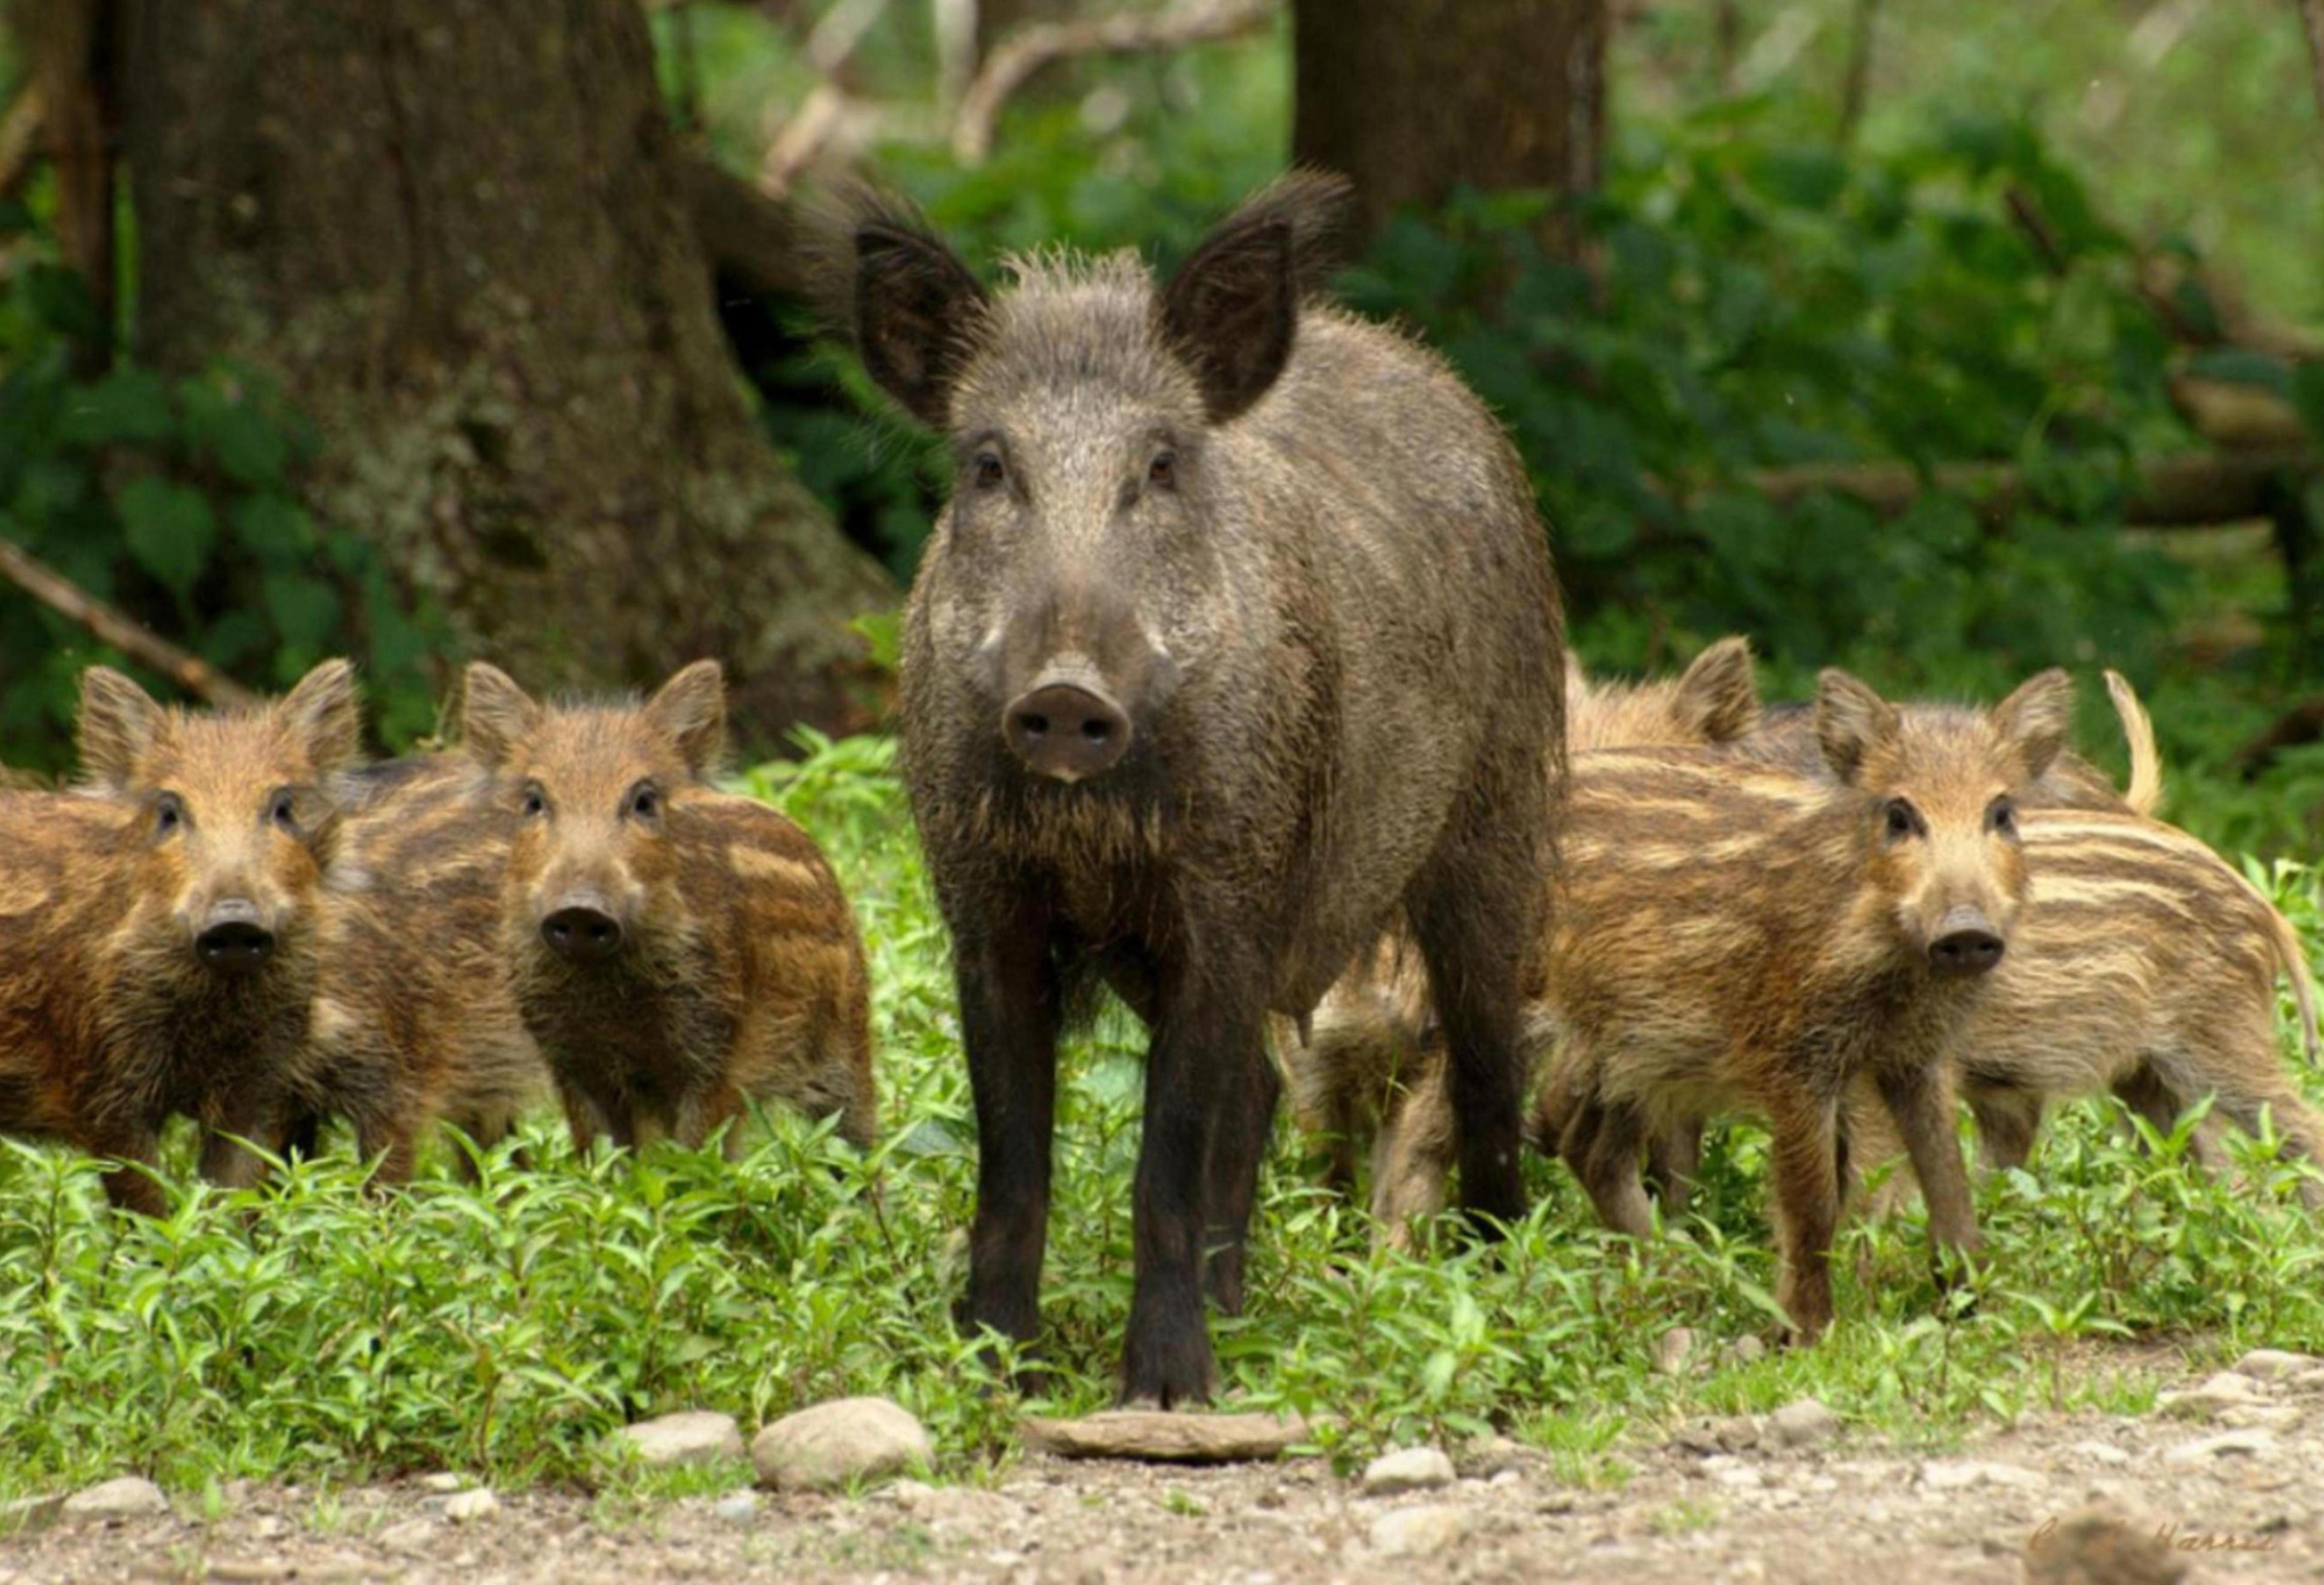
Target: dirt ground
[2238, 1487]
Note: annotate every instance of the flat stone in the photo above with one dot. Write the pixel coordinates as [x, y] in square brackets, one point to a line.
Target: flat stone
[1674, 1351]
[444, 1482]
[737, 1508]
[412, 1535]
[2097, 1546]
[2260, 1416]
[465, 1508]
[695, 1436]
[1409, 1469]
[2226, 1444]
[127, 1496]
[2101, 1452]
[1420, 1531]
[1486, 1457]
[825, 1448]
[1962, 1474]
[1158, 1437]
[2226, 1390]
[2274, 1364]
[1804, 1423]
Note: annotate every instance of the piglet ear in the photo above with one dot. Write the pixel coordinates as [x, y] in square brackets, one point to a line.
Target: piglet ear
[692, 708]
[323, 716]
[1719, 696]
[496, 714]
[918, 310]
[1852, 723]
[119, 722]
[2036, 719]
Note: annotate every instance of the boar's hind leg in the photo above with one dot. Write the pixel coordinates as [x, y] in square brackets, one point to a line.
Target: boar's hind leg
[1600, 1145]
[1807, 1205]
[1208, 1100]
[1473, 909]
[1010, 1013]
[1230, 1181]
[1674, 1162]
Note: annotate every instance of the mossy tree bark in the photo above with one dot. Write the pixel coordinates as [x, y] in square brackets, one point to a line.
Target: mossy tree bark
[464, 240]
[1413, 98]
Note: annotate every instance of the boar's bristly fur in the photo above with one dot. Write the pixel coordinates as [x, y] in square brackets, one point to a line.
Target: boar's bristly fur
[678, 953]
[1236, 642]
[1730, 935]
[159, 942]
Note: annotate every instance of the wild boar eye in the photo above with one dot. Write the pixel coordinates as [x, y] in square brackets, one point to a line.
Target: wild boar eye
[645, 803]
[169, 815]
[1902, 819]
[283, 811]
[990, 474]
[1162, 473]
[535, 803]
[2002, 817]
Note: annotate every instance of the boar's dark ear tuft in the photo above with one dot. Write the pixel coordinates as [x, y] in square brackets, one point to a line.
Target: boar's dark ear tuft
[2036, 719]
[1719, 694]
[915, 308]
[1232, 309]
[496, 714]
[692, 708]
[323, 716]
[119, 722]
[1851, 720]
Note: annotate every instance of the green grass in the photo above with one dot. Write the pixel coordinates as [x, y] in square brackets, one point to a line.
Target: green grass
[311, 1332]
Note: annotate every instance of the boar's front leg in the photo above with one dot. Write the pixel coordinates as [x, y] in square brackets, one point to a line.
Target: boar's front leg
[1009, 1013]
[1806, 1175]
[1203, 1084]
[137, 1145]
[1237, 1147]
[1921, 1100]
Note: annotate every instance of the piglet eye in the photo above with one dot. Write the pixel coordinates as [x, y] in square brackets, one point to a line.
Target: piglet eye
[284, 811]
[169, 815]
[645, 803]
[2002, 817]
[1902, 820]
[535, 803]
[1162, 473]
[990, 474]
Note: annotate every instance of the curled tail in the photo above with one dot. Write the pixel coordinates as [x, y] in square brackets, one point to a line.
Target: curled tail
[2145, 790]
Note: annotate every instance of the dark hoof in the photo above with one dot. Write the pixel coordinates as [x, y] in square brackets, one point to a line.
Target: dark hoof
[1169, 1373]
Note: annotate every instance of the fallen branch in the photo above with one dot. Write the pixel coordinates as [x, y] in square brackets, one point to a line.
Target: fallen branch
[2198, 490]
[60, 595]
[1014, 61]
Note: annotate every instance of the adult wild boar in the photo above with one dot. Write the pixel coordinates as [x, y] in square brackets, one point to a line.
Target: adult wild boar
[1237, 641]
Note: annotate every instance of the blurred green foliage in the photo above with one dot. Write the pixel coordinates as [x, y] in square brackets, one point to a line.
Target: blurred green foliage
[178, 502]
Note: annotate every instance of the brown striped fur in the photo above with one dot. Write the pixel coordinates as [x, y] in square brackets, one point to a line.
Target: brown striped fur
[1369, 1066]
[110, 1020]
[740, 976]
[415, 1018]
[1730, 935]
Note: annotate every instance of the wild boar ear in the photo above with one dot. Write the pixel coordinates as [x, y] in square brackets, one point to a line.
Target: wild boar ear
[916, 316]
[692, 708]
[1232, 310]
[2036, 719]
[496, 714]
[1719, 694]
[1851, 720]
[323, 716]
[119, 722]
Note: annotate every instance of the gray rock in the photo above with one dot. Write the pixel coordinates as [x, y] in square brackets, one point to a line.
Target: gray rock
[1422, 1531]
[1161, 1437]
[465, 1508]
[127, 1498]
[1674, 1351]
[2260, 1416]
[825, 1448]
[695, 1436]
[738, 1507]
[1746, 1351]
[1804, 1423]
[2226, 1444]
[1409, 1469]
[2101, 1452]
[412, 1535]
[1488, 1456]
[2274, 1364]
[444, 1482]
[2226, 1390]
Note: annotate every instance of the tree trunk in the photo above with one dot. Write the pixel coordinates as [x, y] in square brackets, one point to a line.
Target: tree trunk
[1412, 98]
[462, 239]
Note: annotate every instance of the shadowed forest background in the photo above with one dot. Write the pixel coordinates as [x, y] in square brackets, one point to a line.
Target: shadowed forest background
[1945, 343]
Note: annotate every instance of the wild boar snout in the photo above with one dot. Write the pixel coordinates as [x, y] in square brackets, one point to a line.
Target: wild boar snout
[1068, 726]
[1966, 944]
[233, 939]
